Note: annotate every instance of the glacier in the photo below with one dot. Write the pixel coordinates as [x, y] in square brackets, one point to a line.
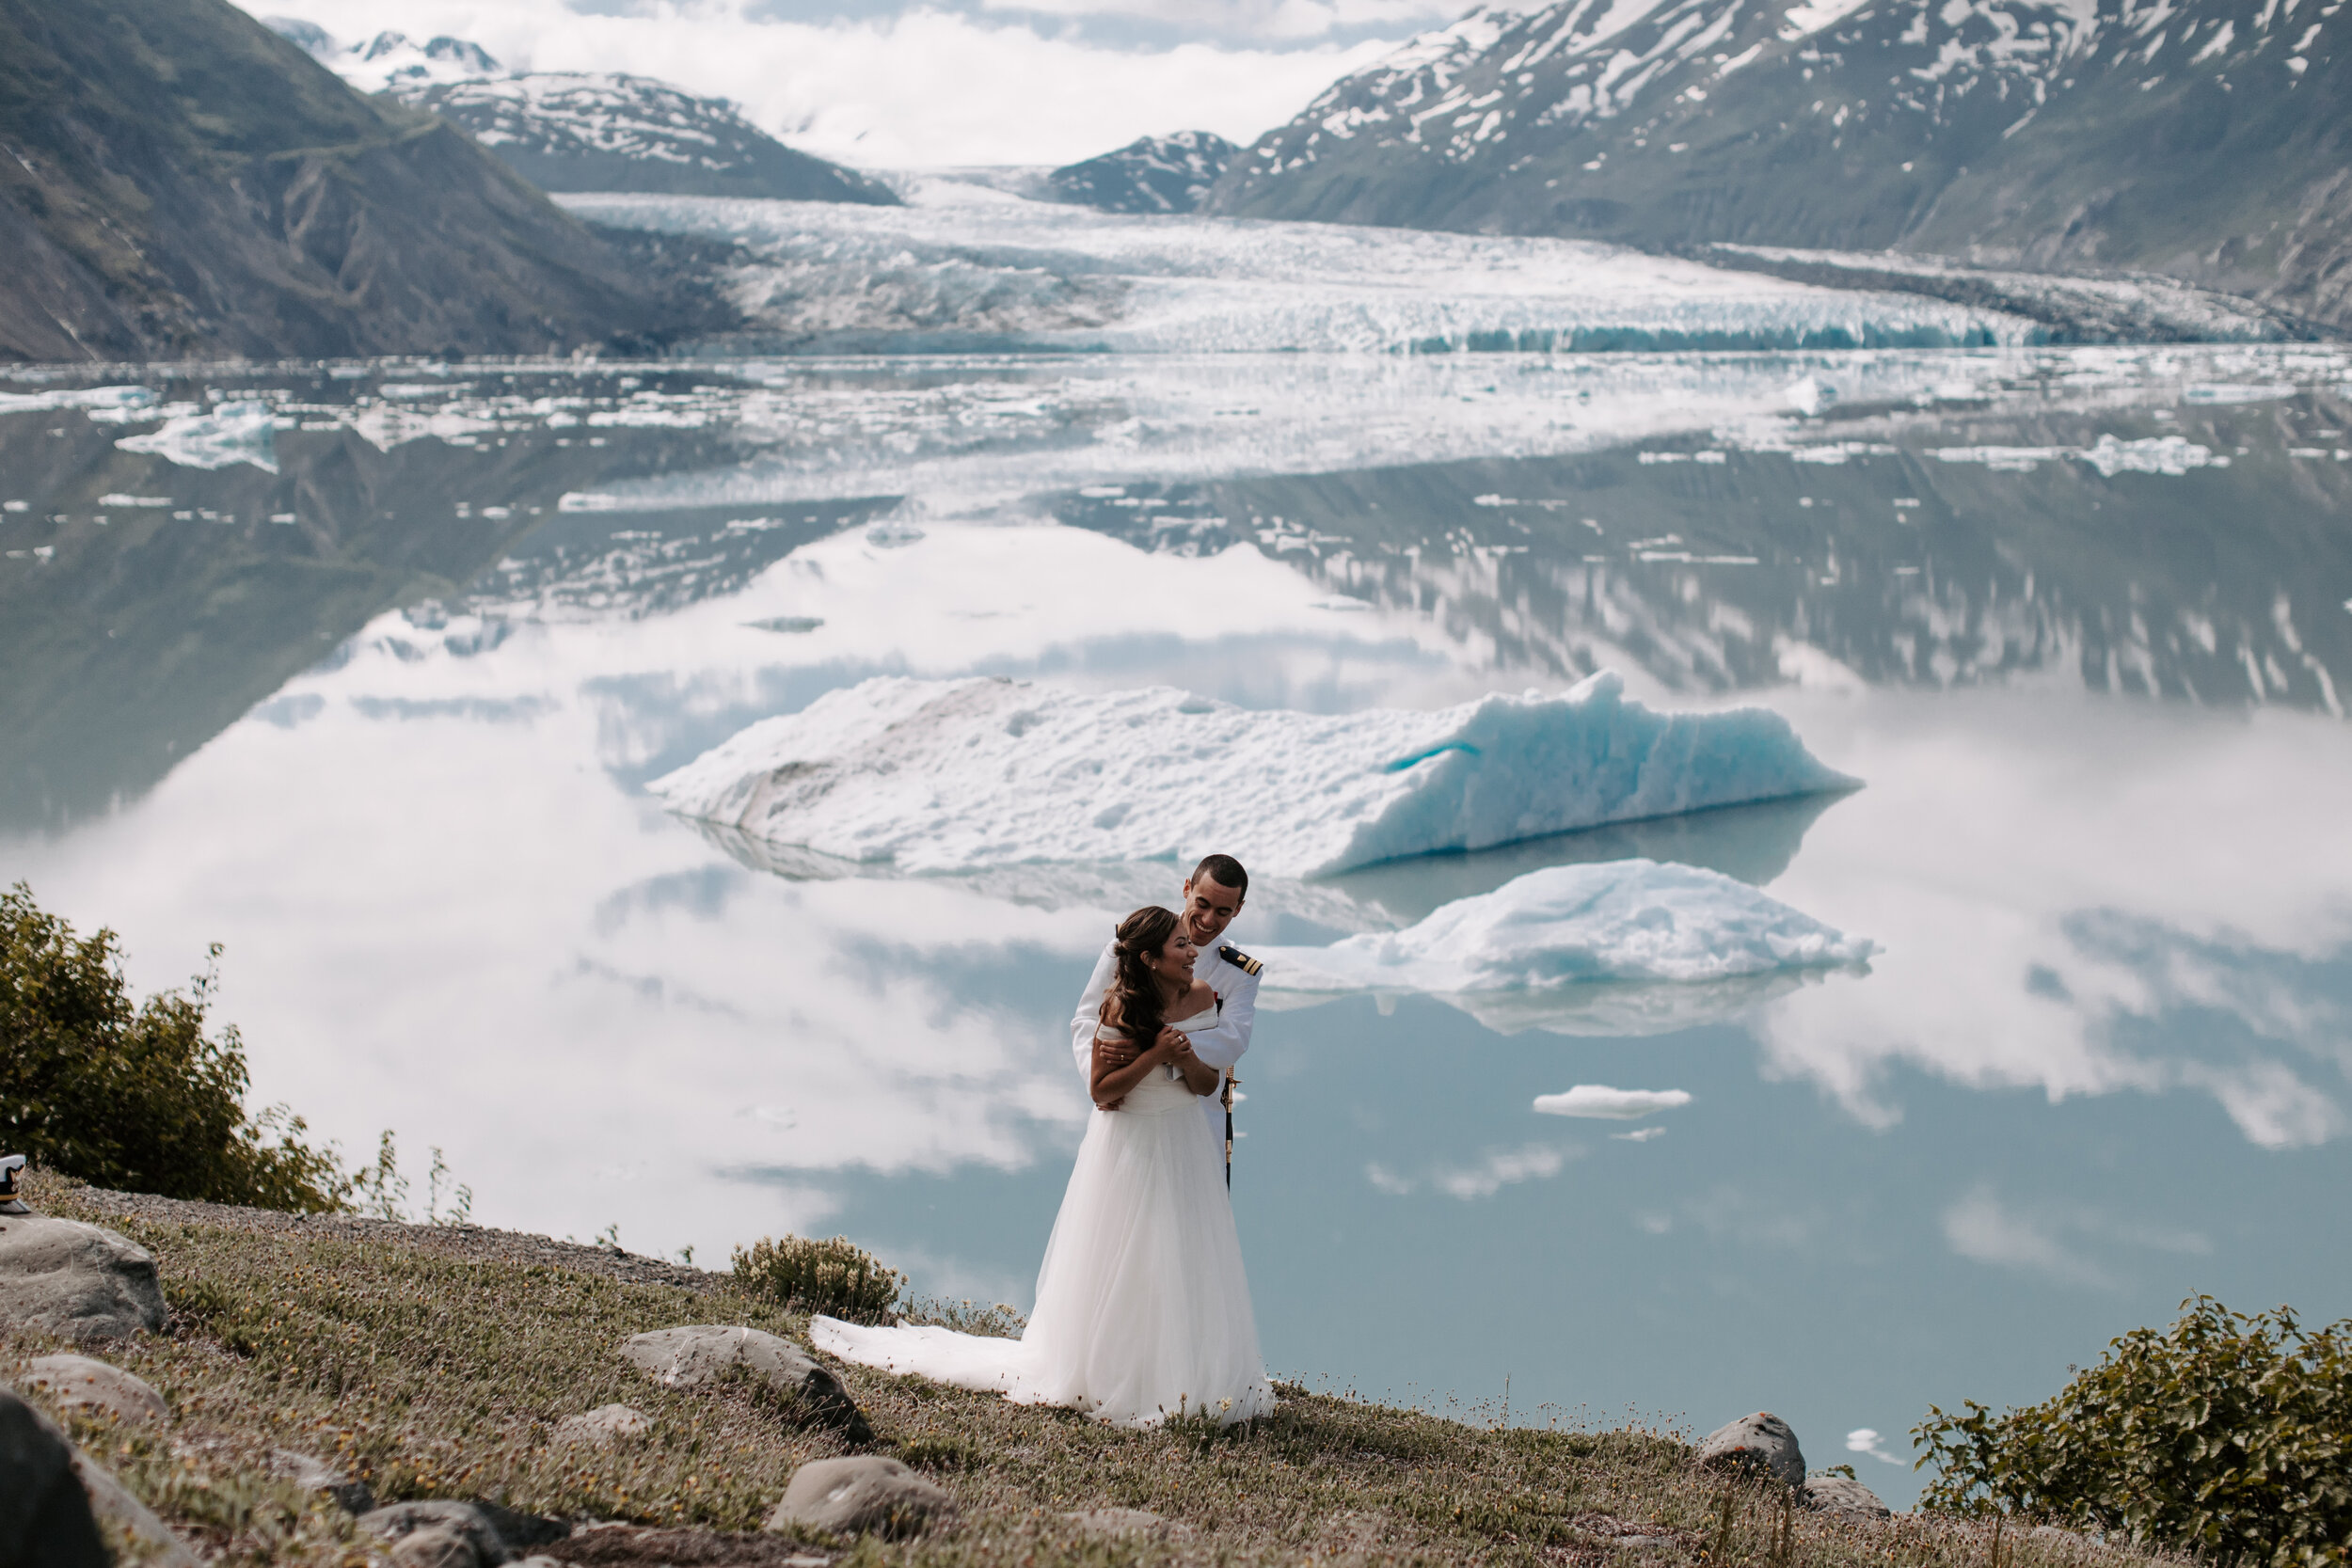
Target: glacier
[963, 775]
[1635, 921]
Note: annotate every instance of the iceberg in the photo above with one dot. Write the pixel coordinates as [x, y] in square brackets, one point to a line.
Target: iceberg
[963, 775]
[1636, 922]
[239, 431]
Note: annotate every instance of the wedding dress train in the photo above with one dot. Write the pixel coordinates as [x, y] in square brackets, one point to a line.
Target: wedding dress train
[1142, 1306]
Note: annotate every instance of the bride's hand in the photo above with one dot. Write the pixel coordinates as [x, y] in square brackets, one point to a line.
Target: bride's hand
[1173, 1044]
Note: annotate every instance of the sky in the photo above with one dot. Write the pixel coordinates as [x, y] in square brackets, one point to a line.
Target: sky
[883, 84]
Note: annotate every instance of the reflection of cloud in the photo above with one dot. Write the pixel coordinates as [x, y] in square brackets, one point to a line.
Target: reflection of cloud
[2188, 930]
[1865, 1440]
[1485, 1177]
[2051, 1240]
[1599, 1100]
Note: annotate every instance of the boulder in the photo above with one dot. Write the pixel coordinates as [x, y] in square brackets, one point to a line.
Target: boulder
[603, 1427]
[1843, 1495]
[494, 1535]
[689, 1356]
[79, 1381]
[1761, 1443]
[313, 1474]
[76, 1281]
[45, 1514]
[860, 1494]
[439, 1546]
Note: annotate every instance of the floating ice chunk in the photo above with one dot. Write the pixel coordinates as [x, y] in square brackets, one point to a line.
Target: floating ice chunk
[961, 775]
[1599, 1100]
[241, 431]
[1634, 921]
[2154, 454]
[99, 403]
[1808, 395]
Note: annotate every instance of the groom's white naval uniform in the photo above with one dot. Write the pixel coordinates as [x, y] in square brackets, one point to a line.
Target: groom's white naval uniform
[1236, 987]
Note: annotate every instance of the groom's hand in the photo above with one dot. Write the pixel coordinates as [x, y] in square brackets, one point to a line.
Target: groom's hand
[1117, 1053]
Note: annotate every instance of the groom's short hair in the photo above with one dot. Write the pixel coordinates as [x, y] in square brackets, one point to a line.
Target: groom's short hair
[1225, 871]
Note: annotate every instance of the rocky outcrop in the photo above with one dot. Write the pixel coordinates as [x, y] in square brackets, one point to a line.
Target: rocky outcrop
[1150, 174]
[45, 1515]
[185, 181]
[1762, 1444]
[867, 1493]
[689, 1356]
[445, 1534]
[77, 1281]
[313, 1474]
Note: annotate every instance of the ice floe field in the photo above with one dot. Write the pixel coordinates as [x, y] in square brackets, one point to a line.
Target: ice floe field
[1803, 878]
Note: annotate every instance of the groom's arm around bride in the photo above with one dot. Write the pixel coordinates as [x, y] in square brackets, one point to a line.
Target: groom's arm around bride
[1212, 896]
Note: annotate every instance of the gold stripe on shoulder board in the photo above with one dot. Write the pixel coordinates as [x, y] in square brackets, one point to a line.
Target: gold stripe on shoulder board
[1239, 960]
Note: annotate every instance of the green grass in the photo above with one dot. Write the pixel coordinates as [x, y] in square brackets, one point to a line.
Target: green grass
[431, 1377]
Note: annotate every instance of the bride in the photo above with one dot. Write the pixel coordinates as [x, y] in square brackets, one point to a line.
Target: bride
[1142, 1308]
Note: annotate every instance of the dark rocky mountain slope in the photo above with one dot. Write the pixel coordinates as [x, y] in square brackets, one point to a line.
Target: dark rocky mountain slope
[182, 180]
[2209, 140]
[1150, 174]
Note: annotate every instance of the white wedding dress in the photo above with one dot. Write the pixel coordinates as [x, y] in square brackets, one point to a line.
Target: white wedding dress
[1142, 1308]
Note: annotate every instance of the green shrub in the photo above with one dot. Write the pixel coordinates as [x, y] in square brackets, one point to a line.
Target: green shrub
[2227, 1435]
[835, 1277]
[137, 1097]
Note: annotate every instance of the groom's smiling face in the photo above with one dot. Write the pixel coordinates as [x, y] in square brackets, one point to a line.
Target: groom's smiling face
[1209, 908]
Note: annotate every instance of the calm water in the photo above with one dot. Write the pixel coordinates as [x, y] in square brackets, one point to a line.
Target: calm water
[2082, 621]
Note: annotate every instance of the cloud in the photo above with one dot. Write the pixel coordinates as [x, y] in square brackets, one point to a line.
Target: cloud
[1865, 1440]
[2052, 1240]
[924, 88]
[1496, 1170]
[1267, 20]
[1599, 1100]
[1639, 1135]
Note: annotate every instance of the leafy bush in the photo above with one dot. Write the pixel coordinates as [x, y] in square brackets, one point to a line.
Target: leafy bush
[835, 1277]
[2227, 1435]
[137, 1097]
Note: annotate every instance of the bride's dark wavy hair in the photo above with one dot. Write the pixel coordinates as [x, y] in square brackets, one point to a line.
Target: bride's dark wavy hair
[1132, 1003]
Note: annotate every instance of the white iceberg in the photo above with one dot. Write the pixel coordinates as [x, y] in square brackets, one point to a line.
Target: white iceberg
[950, 776]
[1621, 921]
[239, 431]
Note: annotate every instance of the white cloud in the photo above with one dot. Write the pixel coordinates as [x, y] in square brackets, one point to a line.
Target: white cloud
[1599, 1100]
[1273, 20]
[1489, 1175]
[924, 88]
[2050, 1239]
[1866, 1440]
[1639, 1135]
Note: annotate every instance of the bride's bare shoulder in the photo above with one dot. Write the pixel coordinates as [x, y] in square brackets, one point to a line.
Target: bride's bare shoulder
[1197, 1000]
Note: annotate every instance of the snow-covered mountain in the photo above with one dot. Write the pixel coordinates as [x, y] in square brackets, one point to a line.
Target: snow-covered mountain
[1150, 174]
[2207, 139]
[584, 131]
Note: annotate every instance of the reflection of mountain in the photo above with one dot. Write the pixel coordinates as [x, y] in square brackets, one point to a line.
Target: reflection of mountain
[145, 606]
[2032, 549]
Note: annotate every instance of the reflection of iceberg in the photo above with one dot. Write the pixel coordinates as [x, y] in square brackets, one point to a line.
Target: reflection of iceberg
[957, 775]
[240, 432]
[1629, 921]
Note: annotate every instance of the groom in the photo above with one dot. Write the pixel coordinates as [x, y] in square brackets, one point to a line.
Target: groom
[1212, 895]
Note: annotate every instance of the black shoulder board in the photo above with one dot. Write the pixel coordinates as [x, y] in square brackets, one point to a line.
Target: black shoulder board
[1239, 960]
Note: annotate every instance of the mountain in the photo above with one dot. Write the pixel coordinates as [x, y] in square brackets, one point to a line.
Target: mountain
[184, 181]
[2207, 141]
[1150, 174]
[584, 131]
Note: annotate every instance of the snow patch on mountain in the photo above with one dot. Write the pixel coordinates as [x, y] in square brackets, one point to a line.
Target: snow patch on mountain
[961, 775]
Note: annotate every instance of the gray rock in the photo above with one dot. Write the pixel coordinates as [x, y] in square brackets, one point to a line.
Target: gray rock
[76, 1281]
[1124, 1521]
[80, 1382]
[124, 1519]
[313, 1474]
[1844, 1495]
[469, 1524]
[691, 1355]
[45, 1514]
[603, 1427]
[1762, 1443]
[439, 1546]
[860, 1494]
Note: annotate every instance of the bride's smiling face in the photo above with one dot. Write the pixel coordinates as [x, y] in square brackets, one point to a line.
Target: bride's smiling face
[1173, 963]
